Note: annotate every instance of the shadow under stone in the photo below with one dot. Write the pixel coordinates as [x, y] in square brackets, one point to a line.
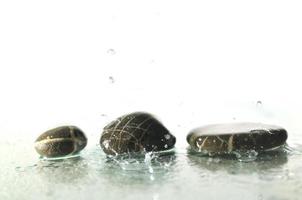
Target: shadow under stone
[265, 162]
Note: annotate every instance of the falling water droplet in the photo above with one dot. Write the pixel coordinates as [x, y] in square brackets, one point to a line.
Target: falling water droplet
[152, 61]
[111, 79]
[259, 103]
[111, 51]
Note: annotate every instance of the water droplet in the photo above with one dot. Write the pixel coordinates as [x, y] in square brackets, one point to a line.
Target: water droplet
[234, 118]
[167, 136]
[111, 79]
[106, 143]
[152, 61]
[166, 146]
[111, 51]
[259, 103]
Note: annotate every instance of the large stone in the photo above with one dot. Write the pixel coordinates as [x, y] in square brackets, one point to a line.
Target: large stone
[226, 138]
[61, 141]
[136, 132]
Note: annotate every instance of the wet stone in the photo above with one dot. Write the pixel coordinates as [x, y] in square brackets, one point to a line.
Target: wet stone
[136, 132]
[236, 137]
[61, 141]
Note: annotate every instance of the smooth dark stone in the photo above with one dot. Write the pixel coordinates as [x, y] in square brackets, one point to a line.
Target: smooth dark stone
[225, 138]
[136, 132]
[61, 141]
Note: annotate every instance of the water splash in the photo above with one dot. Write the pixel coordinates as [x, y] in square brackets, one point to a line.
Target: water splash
[291, 150]
[148, 158]
[246, 156]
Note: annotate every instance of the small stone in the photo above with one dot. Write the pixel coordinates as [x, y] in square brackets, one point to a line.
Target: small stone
[61, 141]
[226, 138]
[136, 132]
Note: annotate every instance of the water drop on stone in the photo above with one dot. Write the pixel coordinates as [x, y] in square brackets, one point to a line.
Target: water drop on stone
[106, 143]
[167, 136]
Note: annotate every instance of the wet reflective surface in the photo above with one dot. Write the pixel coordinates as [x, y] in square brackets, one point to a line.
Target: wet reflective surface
[178, 174]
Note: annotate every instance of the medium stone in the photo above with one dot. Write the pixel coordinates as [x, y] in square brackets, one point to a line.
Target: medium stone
[61, 141]
[225, 138]
[136, 132]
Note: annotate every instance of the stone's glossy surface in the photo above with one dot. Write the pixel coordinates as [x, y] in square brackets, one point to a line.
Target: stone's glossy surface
[225, 138]
[61, 141]
[136, 132]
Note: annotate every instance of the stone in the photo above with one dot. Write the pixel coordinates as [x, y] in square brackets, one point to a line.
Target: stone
[232, 137]
[61, 141]
[136, 132]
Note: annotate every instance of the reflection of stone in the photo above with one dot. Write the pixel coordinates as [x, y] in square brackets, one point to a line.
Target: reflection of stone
[70, 170]
[225, 138]
[265, 162]
[136, 132]
[61, 141]
[139, 169]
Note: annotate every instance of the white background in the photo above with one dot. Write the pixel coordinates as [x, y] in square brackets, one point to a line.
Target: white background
[188, 62]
